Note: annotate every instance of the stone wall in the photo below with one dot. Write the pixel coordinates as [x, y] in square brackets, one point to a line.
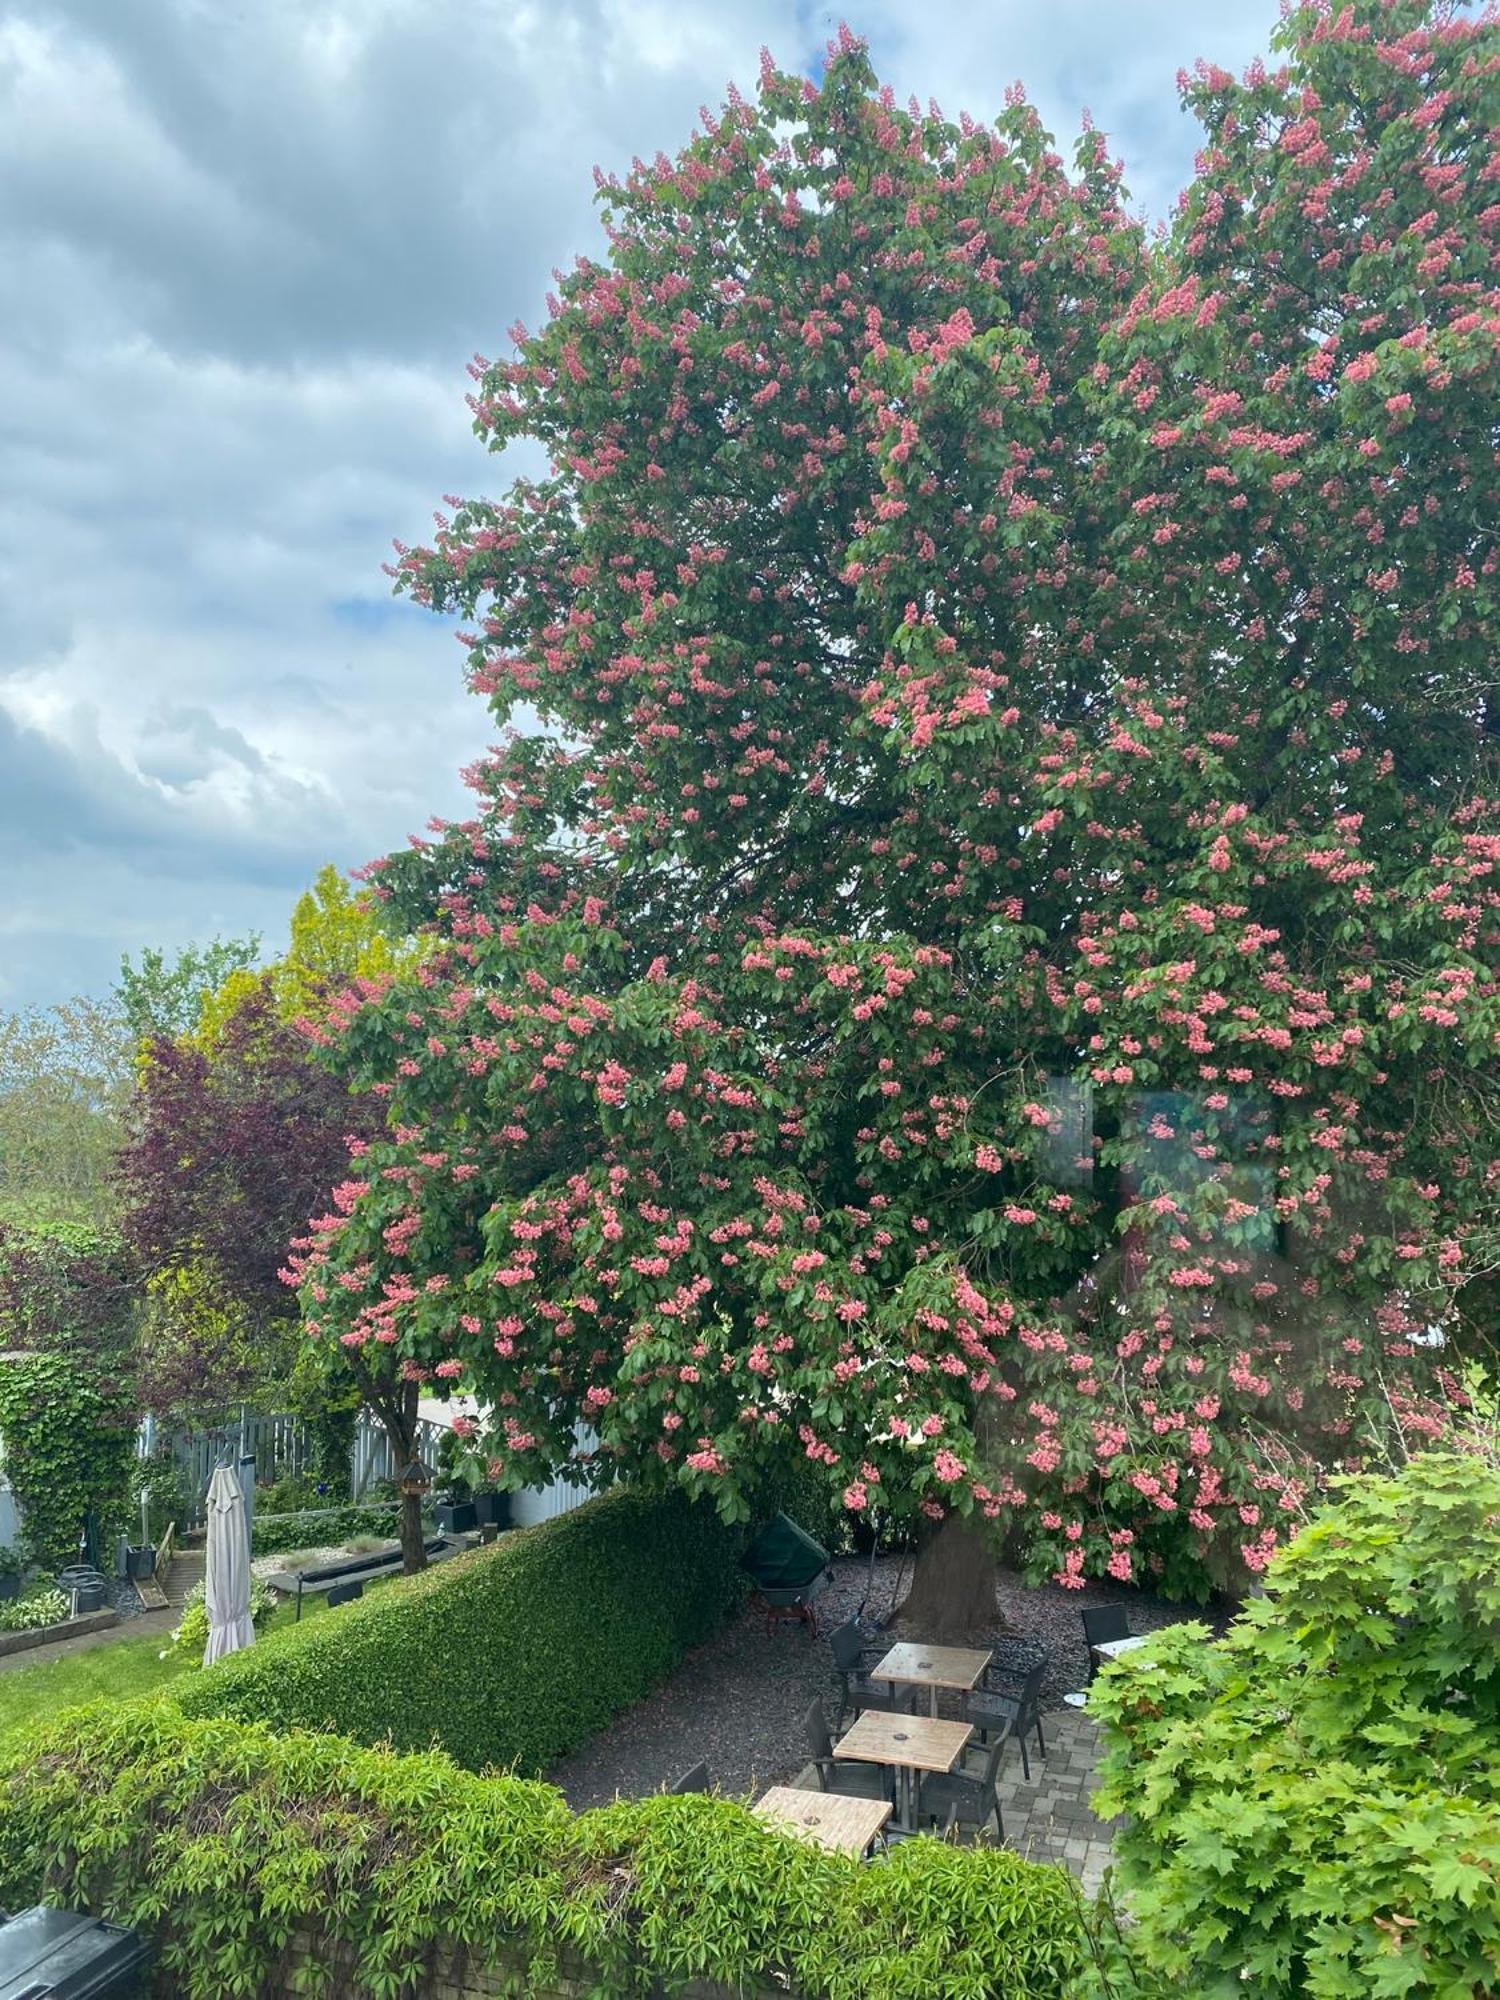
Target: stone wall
[455, 1975]
[53, 1635]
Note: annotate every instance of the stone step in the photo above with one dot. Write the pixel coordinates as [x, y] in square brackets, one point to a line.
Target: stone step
[186, 1569]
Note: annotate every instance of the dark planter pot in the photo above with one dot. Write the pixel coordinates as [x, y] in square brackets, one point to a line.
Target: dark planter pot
[457, 1517]
[10, 1585]
[85, 1586]
[492, 1509]
[140, 1563]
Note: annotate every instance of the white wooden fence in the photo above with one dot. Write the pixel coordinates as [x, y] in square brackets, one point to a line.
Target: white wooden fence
[279, 1444]
[280, 1447]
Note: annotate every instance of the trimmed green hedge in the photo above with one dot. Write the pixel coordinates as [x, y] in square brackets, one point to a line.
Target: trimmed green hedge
[510, 1655]
[224, 1841]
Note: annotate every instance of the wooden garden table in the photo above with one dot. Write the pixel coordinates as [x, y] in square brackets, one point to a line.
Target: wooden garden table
[933, 1667]
[909, 1743]
[845, 1824]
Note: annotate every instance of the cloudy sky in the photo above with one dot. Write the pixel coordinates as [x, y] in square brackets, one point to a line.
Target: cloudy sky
[246, 249]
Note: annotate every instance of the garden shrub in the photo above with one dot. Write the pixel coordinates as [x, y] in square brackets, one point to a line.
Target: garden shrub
[512, 1654]
[159, 1488]
[1314, 1801]
[224, 1840]
[190, 1635]
[320, 1527]
[36, 1609]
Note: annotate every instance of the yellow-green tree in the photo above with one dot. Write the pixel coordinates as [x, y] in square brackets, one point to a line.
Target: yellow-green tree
[334, 938]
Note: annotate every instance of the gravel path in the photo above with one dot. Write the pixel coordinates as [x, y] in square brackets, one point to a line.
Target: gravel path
[739, 1700]
[124, 1597]
[295, 1559]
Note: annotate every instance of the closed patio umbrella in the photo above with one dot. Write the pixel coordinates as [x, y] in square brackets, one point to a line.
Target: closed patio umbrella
[226, 1582]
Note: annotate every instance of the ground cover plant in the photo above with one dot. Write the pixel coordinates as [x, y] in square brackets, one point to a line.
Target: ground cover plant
[224, 1839]
[1314, 1802]
[987, 965]
[33, 1609]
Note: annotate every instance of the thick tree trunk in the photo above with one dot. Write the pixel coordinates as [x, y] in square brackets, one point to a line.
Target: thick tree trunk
[398, 1413]
[953, 1585]
[394, 1405]
[413, 1541]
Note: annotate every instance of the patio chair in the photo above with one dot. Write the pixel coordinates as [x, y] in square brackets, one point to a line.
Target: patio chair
[966, 1798]
[1017, 1714]
[695, 1780]
[852, 1659]
[854, 1781]
[1101, 1624]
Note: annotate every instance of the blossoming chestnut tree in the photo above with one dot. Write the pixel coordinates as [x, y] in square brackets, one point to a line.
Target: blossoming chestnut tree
[977, 964]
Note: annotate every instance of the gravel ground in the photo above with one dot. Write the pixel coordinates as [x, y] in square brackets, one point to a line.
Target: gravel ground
[295, 1559]
[739, 1700]
[122, 1594]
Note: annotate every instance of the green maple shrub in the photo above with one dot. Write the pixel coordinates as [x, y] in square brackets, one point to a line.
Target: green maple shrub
[159, 1491]
[1314, 1802]
[512, 1654]
[223, 1840]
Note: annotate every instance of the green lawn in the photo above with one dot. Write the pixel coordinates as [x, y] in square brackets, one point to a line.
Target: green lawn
[124, 1668]
[117, 1671]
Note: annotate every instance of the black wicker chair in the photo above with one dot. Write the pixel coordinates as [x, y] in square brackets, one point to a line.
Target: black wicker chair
[695, 1780]
[966, 1798]
[1101, 1624]
[1015, 1714]
[855, 1781]
[1011, 1660]
[852, 1660]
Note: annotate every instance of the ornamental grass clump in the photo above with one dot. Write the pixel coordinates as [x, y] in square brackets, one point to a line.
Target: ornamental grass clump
[1314, 1802]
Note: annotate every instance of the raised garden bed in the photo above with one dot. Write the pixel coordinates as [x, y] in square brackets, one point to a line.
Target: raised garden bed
[360, 1568]
[51, 1635]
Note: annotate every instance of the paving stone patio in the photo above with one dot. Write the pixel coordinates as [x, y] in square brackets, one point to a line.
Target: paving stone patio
[1048, 1816]
[1051, 1818]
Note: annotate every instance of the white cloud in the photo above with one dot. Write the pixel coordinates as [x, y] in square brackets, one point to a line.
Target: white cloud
[246, 248]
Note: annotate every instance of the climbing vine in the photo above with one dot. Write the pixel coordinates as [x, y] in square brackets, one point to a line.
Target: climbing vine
[67, 1449]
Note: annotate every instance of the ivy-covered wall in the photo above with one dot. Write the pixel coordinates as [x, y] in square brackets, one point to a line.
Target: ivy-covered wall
[67, 1424]
[68, 1448]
